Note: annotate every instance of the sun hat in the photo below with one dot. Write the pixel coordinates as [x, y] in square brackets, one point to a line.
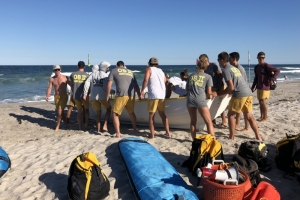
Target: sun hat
[153, 61]
[104, 65]
[56, 67]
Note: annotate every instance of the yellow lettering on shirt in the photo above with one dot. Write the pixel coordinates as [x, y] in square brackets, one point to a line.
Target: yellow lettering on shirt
[197, 80]
[125, 72]
[79, 78]
[236, 71]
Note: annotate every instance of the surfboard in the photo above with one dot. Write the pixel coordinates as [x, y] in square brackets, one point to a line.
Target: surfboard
[151, 176]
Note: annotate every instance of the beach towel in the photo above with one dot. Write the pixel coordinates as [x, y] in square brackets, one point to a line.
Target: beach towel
[4, 162]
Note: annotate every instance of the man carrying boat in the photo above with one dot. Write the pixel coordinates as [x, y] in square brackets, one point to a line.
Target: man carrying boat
[234, 61]
[97, 83]
[176, 85]
[77, 80]
[126, 86]
[241, 100]
[59, 82]
[218, 85]
[155, 80]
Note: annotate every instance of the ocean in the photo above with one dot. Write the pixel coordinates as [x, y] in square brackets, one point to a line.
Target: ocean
[28, 83]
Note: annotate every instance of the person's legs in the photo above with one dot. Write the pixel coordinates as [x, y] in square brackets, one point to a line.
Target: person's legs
[224, 120]
[116, 124]
[231, 115]
[205, 114]
[162, 114]
[133, 120]
[106, 120]
[70, 109]
[165, 121]
[151, 124]
[193, 116]
[263, 103]
[79, 113]
[86, 114]
[237, 121]
[98, 118]
[253, 125]
[97, 107]
[59, 117]
[117, 109]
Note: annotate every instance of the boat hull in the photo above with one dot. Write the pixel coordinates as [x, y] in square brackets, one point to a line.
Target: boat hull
[176, 111]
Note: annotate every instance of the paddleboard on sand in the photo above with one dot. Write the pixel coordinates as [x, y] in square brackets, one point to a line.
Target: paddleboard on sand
[151, 176]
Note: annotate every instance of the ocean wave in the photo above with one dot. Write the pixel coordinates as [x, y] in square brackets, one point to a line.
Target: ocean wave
[291, 67]
[1, 74]
[35, 98]
[290, 71]
[135, 71]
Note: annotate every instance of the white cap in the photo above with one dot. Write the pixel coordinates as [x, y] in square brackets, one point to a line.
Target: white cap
[104, 65]
[56, 67]
[95, 68]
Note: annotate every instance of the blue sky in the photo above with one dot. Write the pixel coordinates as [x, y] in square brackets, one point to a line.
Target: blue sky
[38, 32]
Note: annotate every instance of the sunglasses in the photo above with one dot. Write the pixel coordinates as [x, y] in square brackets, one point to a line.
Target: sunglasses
[261, 57]
[56, 70]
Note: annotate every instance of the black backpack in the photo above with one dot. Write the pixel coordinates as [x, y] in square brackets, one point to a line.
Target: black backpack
[249, 166]
[205, 149]
[85, 171]
[288, 154]
[256, 151]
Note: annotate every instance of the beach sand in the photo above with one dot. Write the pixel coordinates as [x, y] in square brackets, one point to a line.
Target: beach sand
[41, 157]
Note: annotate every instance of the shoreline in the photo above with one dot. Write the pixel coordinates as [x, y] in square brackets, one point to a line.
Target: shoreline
[41, 157]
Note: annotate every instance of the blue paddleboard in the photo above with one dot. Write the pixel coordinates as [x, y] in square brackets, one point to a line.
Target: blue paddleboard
[151, 175]
[4, 162]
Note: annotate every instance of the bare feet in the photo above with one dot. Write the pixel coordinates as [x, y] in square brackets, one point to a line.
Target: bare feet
[168, 135]
[244, 130]
[118, 135]
[150, 136]
[263, 120]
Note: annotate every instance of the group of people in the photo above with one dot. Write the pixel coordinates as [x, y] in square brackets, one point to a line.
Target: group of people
[208, 81]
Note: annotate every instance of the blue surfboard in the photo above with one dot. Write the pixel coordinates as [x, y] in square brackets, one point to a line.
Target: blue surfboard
[151, 175]
[4, 162]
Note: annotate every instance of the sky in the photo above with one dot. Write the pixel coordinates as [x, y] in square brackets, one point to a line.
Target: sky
[47, 32]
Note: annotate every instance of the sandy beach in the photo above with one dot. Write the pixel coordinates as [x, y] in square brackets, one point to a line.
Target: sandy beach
[41, 157]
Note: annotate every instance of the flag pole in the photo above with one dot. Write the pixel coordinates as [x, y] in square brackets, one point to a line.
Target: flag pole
[88, 60]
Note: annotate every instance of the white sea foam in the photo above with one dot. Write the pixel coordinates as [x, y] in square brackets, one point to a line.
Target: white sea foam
[135, 71]
[290, 71]
[291, 67]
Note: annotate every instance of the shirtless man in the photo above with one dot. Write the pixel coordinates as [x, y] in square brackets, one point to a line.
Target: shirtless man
[59, 82]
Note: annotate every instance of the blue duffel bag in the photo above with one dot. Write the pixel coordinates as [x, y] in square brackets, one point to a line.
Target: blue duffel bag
[4, 162]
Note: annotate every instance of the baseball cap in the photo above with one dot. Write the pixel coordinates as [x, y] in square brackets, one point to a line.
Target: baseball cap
[56, 67]
[153, 61]
[104, 65]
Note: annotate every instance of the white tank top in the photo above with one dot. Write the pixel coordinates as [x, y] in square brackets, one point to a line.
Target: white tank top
[156, 84]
